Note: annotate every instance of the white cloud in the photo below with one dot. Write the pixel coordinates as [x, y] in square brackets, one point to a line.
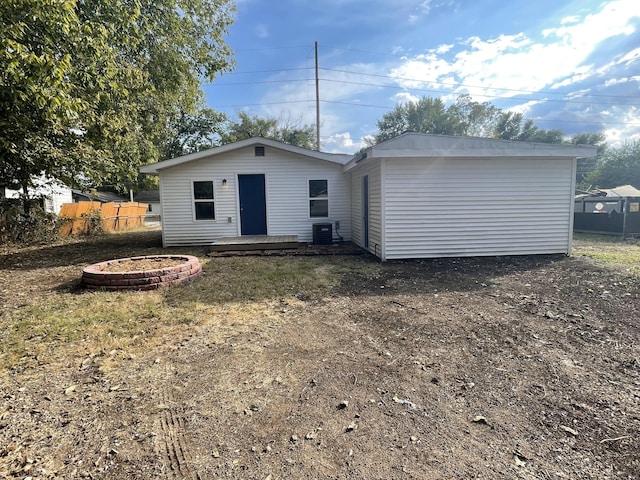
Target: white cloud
[524, 108]
[497, 66]
[341, 143]
[570, 19]
[422, 10]
[581, 73]
[425, 6]
[405, 97]
[630, 57]
[444, 48]
[617, 81]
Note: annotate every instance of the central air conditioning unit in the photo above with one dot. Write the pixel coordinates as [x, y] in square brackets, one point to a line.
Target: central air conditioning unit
[322, 233]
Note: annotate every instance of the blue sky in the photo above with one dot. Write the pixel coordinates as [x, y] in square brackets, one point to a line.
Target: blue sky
[572, 65]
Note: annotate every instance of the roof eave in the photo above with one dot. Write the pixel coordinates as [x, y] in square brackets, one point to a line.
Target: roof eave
[155, 168]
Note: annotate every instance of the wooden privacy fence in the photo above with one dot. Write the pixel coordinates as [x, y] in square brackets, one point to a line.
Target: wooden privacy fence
[84, 217]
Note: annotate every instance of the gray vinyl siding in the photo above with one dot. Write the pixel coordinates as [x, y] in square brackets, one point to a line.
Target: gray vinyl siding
[375, 211]
[474, 207]
[375, 207]
[286, 184]
[356, 209]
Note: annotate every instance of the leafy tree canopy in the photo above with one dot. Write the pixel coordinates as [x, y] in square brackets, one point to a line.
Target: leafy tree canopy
[427, 115]
[597, 139]
[193, 132]
[292, 132]
[618, 166]
[90, 89]
[464, 117]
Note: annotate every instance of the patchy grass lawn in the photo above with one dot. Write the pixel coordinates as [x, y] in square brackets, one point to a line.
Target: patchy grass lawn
[610, 251]
[322, 367]
[45, 310]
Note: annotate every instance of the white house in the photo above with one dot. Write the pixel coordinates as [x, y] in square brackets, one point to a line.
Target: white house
[52, 193]
[152, 199]
[414, 196]
[252, 187]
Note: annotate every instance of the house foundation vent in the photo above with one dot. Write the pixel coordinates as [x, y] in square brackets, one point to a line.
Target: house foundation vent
[322, 233]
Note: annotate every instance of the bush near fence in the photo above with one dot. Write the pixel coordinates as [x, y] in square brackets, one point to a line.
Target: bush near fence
[89, 217]
[17, 227]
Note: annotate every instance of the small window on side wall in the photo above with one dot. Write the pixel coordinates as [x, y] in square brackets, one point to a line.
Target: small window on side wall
[203, 201]
[318, 198]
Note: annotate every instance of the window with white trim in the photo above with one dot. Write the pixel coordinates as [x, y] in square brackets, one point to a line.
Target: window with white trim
[318, 198]
[203, 201]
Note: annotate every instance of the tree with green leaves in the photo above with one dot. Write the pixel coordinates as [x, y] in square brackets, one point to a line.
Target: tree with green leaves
[195, 132]
[475, 119]
[89, 89]
[427, 115]
[464, 117]
[513, 126]
[282, 130]
[597, 139]
[587, 165]
[617, 166]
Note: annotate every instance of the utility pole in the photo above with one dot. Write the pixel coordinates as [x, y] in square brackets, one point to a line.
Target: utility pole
[317, 101]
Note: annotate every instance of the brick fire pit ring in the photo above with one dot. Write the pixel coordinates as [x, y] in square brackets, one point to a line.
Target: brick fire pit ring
[138, 273]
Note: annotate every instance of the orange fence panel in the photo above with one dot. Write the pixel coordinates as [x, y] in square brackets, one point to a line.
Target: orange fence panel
[115, 216]
[110, 216]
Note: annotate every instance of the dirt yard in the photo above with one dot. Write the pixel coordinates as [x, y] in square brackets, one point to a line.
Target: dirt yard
[519, 368]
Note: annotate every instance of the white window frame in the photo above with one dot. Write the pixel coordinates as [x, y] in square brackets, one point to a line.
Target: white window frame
[310, 198]
[194, 200]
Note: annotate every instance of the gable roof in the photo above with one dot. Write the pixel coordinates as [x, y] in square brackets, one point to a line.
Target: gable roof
[99, 196]
[147, 196]
[425, 145]
[154, 168]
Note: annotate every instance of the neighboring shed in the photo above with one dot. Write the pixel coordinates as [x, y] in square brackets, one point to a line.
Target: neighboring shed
[98, 196]
[621, 191]
[151, 198]
[422, 196]
[252, 187]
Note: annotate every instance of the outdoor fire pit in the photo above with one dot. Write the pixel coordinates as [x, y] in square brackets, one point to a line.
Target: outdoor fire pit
[141, 273]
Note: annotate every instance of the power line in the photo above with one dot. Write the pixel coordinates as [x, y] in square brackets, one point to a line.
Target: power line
[280, 70]
[415, 89]
[239, 105]
[396, 87]
[383, 107]
[455, 84]
[534, 119]
[309, 101]
[290, 47]
[480, 95]
[228, 84]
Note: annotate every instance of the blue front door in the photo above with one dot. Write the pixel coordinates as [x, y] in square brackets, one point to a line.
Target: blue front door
[253, 205]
